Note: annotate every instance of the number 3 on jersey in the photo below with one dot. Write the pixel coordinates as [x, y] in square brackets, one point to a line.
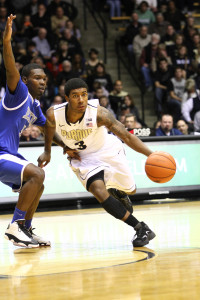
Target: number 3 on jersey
[81, 145]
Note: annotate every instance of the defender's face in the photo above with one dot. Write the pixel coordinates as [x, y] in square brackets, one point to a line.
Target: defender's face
[78, 99]
[36, 82]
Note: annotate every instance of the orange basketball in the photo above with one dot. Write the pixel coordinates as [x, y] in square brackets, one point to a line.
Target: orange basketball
[160, 167]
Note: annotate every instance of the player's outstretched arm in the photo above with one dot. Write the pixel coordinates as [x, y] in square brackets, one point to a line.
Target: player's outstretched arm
[12, 74]
[49, 131]
[105, 118]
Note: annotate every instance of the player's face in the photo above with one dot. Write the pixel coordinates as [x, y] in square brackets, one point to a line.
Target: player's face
[78, 100]
[36, 83]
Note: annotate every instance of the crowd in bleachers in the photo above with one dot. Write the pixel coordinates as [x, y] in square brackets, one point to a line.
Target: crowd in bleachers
[161, 40]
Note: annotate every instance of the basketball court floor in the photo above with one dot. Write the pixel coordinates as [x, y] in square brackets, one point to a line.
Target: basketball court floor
[92, 256]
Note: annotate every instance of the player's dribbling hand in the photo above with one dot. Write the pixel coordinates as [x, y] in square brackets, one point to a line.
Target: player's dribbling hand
[44, 159]
[8, 29]
[72, 153]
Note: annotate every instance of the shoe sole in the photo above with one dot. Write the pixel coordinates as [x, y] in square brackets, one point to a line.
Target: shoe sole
[20, 244]
[150, 237]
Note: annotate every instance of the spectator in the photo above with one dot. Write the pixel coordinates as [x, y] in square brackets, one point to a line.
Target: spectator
[31, 8]
[57, 100]
[64, 53]
[182, 126]
[190, 108]
[26, 32]
[41, 19]
[166, 127]
[3, 20]
[58, 21]
[73, 44]
[26, 135]
[178, 42]
[197, 122]
[162, 77]
[54, 66]
[101, 76]
[183, 61]
[130, 105]
[176, 90]
[189, 24]
[145, 15]
[78, 65]
[42, 44]
[117, 95]
[174, 16]
[131, 123]
[194, 45]
[115, 8]
[159, 26]
[66, 74]
[74, 30]
[149, 54]
[152, 4]
[92, 61]
[98, 91]
[69, 9]
[131, 31]
[31, 51]
[139, 42]
[104, 101]
[169, 38]
[190, 90]
[35, 133]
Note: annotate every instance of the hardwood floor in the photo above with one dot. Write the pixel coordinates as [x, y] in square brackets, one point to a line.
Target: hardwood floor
[91, 256]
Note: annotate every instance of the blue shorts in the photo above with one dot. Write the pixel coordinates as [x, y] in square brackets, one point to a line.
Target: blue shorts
[11, 170]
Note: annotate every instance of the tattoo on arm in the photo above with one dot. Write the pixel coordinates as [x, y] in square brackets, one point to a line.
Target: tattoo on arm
[105, 118]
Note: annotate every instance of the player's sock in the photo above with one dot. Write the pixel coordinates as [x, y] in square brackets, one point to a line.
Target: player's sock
[18, 214]
[131, 221]
[28, 223]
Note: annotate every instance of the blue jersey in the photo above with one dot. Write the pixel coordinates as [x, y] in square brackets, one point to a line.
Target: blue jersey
[17, 112]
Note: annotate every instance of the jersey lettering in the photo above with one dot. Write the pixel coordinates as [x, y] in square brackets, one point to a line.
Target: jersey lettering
[77, 135]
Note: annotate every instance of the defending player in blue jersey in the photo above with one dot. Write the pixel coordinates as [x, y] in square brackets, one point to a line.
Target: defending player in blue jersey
[18, 110]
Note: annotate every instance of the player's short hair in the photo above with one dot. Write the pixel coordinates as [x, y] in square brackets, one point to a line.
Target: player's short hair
[74, 83]
[28, 68]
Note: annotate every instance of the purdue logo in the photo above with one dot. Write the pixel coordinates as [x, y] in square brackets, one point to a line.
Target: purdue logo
[77, 135]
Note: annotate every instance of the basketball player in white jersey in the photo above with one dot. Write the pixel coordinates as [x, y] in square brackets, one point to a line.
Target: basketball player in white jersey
[20, 109]
[98, 158]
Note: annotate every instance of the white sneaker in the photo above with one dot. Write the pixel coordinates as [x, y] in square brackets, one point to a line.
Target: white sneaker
[19, 235]
[39, 239]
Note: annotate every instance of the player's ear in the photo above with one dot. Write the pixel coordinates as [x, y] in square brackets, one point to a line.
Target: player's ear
[24, 79]
[66, 98]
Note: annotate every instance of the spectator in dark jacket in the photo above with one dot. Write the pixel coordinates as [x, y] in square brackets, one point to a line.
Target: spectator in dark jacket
[166, 127]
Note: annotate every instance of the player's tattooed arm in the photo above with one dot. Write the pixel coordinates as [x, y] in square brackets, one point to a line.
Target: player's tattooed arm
[12, 73]
[105, 118]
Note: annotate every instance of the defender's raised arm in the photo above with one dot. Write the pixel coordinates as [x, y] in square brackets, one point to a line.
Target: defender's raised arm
[12, 74]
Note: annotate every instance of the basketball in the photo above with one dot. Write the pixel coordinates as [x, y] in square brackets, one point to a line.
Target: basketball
[160, 167]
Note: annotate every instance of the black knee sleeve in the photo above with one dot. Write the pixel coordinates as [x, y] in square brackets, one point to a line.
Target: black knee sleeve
[114, 207]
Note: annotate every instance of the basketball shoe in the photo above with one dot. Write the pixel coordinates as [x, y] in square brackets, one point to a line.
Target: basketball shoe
[17, 233]
[123, 198]
[143, 235]
[39, 239]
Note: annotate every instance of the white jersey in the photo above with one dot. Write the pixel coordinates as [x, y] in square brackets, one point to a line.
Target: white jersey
[99, 150]
[84, 135]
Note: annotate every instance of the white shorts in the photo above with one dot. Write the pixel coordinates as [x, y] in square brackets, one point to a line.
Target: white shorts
[112, 159]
